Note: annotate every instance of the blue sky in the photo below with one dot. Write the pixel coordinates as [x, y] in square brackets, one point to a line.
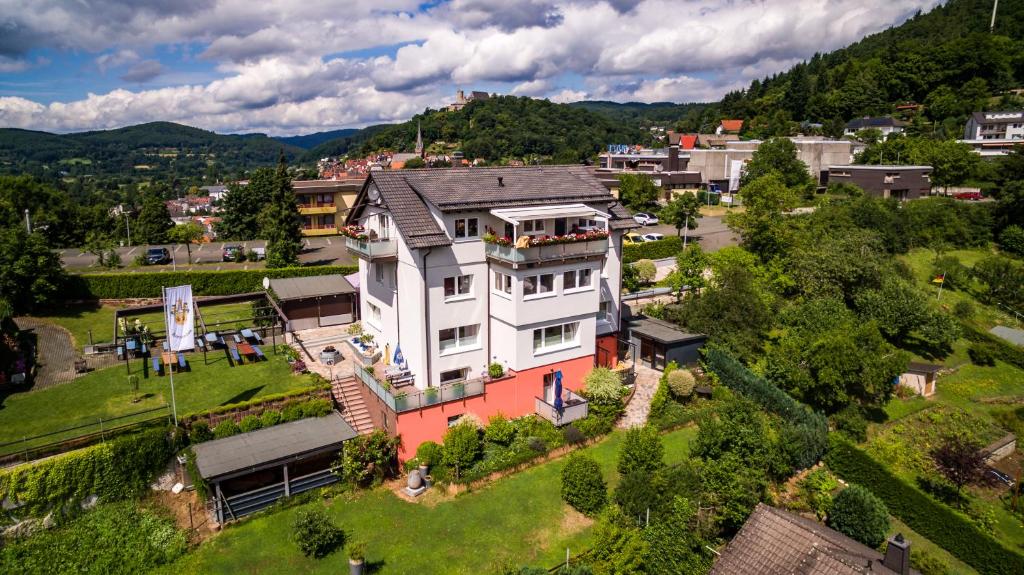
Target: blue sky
[288, 67]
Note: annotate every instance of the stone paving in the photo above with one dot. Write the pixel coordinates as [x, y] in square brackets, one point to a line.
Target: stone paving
[56, 352]
[639, 406]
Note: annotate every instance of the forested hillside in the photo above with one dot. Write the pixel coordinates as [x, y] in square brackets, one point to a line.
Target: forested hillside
[308, 141]
[156, 149]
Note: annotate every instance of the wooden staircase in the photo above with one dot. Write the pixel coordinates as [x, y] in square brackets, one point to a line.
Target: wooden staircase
[349, 399]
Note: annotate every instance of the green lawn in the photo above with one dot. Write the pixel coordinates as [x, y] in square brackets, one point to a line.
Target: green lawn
[520, 518]
[79, 320]
[106, 394]
[918, 544]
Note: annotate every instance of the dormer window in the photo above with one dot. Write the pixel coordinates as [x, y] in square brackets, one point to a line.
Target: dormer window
[466, 228]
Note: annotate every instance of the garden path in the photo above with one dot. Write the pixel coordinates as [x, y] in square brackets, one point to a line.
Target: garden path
[639, 406]
[56, 352]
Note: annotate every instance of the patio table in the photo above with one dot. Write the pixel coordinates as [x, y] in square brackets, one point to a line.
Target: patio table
[131, 344]
[211, 337]
[169, 359]
[246, 350]
[247, 333]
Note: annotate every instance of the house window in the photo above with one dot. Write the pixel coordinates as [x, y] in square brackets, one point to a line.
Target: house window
[454, 375]
[458, 286]
[466, 228]
[577, 279]
[375, 317]
[538, 285]
[383, 226]
[555, 337]
[586, 223]
[604, 311]
[502, 283]
[530, 226]
[457, 339]
[454, 420]
[378, 270]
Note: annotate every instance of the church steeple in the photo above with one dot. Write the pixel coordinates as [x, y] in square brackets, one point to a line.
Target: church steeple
[419, 140]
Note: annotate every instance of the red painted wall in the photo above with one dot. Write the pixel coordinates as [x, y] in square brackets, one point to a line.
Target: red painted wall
[512, 397]
[608, 350]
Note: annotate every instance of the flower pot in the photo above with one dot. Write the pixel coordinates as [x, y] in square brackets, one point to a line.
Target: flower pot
[355, 567]
[423, 472]
[415, 479]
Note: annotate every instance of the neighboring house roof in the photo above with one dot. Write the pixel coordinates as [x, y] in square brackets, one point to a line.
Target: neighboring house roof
[776, 541]
[310, 286]
[732, 125]
[407, 194]
[688, 141]
[1005, 117]
[247, 452]
[882, 122]
[661, 331]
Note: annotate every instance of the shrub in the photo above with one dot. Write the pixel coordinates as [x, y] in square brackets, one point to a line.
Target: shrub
[666, 248]
[270, 417]
[495, 370]
[816, 489]
[963, 309]
[602, 385]
[315, 408]
[369, 458]
[583, 485]
[681, 383]
[226, 428]
[499, 430]
[928, 563]
[981, 354]
[851, 422]
[315, 533]
[200, 432]
[638, 491]
[859, 514]
[1012, 239]
[593, 425]
[646, 270]
[461, 447]
[642, 450]
[430, 453]
[357, 551]
[291, 411]
[250, 423]
[572, 435]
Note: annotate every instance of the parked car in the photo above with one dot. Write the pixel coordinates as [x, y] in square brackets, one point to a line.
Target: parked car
[974, 196]
[157, 256]
[633, 238]
[231, 252]
[645, 219]
[653, 237]
[999, 476]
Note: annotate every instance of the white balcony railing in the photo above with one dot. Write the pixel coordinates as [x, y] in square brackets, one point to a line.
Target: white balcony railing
[372, 249]
[552, 252]
[573, 408]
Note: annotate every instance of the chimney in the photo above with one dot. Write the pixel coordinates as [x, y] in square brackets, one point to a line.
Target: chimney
[897, 555]
[673, 158]
[501, 183]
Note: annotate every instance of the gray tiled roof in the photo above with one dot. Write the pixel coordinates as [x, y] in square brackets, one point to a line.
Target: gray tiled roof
[776, 541]
[407, 194]
[310, 286]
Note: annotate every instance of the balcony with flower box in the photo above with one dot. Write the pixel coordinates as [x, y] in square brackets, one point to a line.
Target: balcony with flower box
[371, 249]
[546, 249]
[315, 208]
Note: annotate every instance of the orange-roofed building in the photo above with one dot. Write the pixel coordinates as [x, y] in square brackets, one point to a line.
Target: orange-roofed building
[729, 127]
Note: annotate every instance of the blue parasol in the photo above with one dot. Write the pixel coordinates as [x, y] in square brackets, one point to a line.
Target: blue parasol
[558, 391]
[399, 359]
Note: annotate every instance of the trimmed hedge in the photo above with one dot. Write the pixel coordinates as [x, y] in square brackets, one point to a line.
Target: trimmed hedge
[204, 283]
[669, 247]
[115, 470]
[942, 525]
[808, 435]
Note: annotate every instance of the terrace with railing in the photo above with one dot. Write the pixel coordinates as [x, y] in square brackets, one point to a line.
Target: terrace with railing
[371, 250]
[401, 401]
[575, 407]
[546, 252]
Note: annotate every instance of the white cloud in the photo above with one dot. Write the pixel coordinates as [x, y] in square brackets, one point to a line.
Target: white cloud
[116, 59]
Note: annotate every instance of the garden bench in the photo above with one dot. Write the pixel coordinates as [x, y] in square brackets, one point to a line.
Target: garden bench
[120, 353]
[235, 356]
[182, 364]
[81, 366]
[258, 352]
[157, 368]
[237, 339]
[257, 337]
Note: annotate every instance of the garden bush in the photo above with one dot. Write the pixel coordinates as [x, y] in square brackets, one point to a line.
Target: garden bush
[681, 383]
[639, 491]
[928, 563]
[963, 309]
[981, 354]
[111, 539]
[859, 514]
[660, 399]
[499, 430]
[572, 435]
[816, 489]
[642, 450]
[602, 385]
[430, 453]
[461, 447]
[1012, 239]
[249, 423]
[315, 408]
[646, 271]
[226, 428]
[270, 418]
[114, 470]
[315, 534]
[204, 283]
[583, 485]
[593, 425]
[851, 421]
[669, 247]
[200, 432]
[369, 459]
[940, 524]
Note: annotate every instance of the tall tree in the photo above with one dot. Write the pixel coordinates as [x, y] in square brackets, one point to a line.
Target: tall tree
[959, 459]
[242, 205]
[778, 156]
[186, 234]
[682, 212]
[761, 226]
[30, 273]
[154, 221]
[637, 191]
[281, 223]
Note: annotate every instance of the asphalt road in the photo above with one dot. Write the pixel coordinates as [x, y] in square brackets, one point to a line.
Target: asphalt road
[315, 251]
[711, 232]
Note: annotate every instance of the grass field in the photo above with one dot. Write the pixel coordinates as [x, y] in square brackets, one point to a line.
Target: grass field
[80, 320]
[520, 519]
[106, 394]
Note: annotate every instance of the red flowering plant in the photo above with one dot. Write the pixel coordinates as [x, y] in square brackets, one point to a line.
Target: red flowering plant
[491, 237]
[355, 232]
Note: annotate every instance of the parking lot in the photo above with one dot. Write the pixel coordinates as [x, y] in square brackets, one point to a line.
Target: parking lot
[315, 251]
[711, 232]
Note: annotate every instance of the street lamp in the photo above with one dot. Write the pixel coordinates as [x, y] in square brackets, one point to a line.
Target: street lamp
[128, 228]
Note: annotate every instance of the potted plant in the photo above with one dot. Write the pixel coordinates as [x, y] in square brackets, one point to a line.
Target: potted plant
[431, 395]
[495, 370]
[356, 557]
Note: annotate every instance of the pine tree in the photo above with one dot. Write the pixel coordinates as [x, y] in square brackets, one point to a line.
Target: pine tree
[280, 222]
[154, 220]
[242, 206]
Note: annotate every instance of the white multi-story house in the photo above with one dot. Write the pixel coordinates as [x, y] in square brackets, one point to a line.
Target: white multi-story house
[1007, 125]
[465, 268]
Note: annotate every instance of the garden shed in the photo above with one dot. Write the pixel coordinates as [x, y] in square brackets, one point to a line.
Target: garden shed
[921, 377]
[658, 342]
[250, 471]
[315, 301]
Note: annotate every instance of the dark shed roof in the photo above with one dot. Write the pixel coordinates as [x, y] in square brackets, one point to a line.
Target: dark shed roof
[775, 541]
[310, 286]
[919, 367]
[247, 452]
[661, 331]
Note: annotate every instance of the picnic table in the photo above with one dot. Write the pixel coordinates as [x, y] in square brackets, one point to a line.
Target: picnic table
[247, 333]
[211, 337]
[169, 359]
[246, 350]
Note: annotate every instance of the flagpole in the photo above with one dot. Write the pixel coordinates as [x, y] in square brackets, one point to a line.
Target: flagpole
[170, 368]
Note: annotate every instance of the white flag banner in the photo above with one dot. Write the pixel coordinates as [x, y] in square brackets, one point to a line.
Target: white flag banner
[178, 317]
[735, 170]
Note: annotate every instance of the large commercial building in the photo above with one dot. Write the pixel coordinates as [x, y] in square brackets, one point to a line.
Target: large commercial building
[666, 166]
[461, 269]
[718, 166]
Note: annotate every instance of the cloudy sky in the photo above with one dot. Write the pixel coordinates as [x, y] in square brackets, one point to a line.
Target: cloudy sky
[298, 66]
